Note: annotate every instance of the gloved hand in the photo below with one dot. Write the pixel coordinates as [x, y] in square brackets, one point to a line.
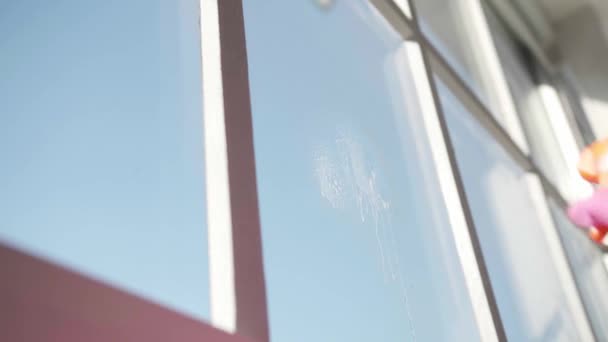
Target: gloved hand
[592, 214]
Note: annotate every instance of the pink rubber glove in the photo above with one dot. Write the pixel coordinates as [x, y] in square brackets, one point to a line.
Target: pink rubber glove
[592, 213]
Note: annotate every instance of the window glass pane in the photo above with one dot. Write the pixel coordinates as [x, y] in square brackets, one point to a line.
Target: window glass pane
[526, 284]
[577, 116]
[448, 28]
[357, 246]
[519, 70]
[589, 270]
[101, 143]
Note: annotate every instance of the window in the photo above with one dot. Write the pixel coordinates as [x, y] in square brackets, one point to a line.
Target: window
[576, 114]
[588, 268]
[356, 243]
[443, 23]
[459, 30]
[101, 143]
[531, 97]
[528, 288]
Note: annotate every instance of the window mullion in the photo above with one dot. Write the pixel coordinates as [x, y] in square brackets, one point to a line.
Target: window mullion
[463, 228]
[492, 74]
[237, 285]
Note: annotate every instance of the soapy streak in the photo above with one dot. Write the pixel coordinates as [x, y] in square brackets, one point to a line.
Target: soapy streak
[348, 182]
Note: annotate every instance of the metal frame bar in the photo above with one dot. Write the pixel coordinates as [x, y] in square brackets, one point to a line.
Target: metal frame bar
[465, 232]
[492, 76]
[475, 242]
[237, 285]
[448, 173]
[476, 107]
[219, 220]
[459, 214]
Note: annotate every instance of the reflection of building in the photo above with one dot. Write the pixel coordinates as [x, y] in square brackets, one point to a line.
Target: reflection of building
[439, 216]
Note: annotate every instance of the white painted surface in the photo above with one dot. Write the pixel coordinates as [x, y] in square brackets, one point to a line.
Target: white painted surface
[405, 7]
[577, 187]
[219, 222]
[449, 191]
[493, 74]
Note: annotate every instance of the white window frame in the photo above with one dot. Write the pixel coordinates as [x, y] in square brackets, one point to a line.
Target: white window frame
[237, 285]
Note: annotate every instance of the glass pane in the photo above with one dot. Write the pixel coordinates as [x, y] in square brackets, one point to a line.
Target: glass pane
[572, 103]
[101, 143]
[589, 270]
[357, 246]
[519, 70]
[530, 297]
[448, 27]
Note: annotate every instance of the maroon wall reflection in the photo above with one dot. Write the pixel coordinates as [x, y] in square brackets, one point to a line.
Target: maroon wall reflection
[43, 302]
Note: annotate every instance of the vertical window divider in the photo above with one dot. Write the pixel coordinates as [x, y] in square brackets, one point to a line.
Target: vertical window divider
[465, 232]
[567, 144]
[558, 255]
[471, 101]
[237, 283]
[456, 202]
[492, 74]
[463, 228]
